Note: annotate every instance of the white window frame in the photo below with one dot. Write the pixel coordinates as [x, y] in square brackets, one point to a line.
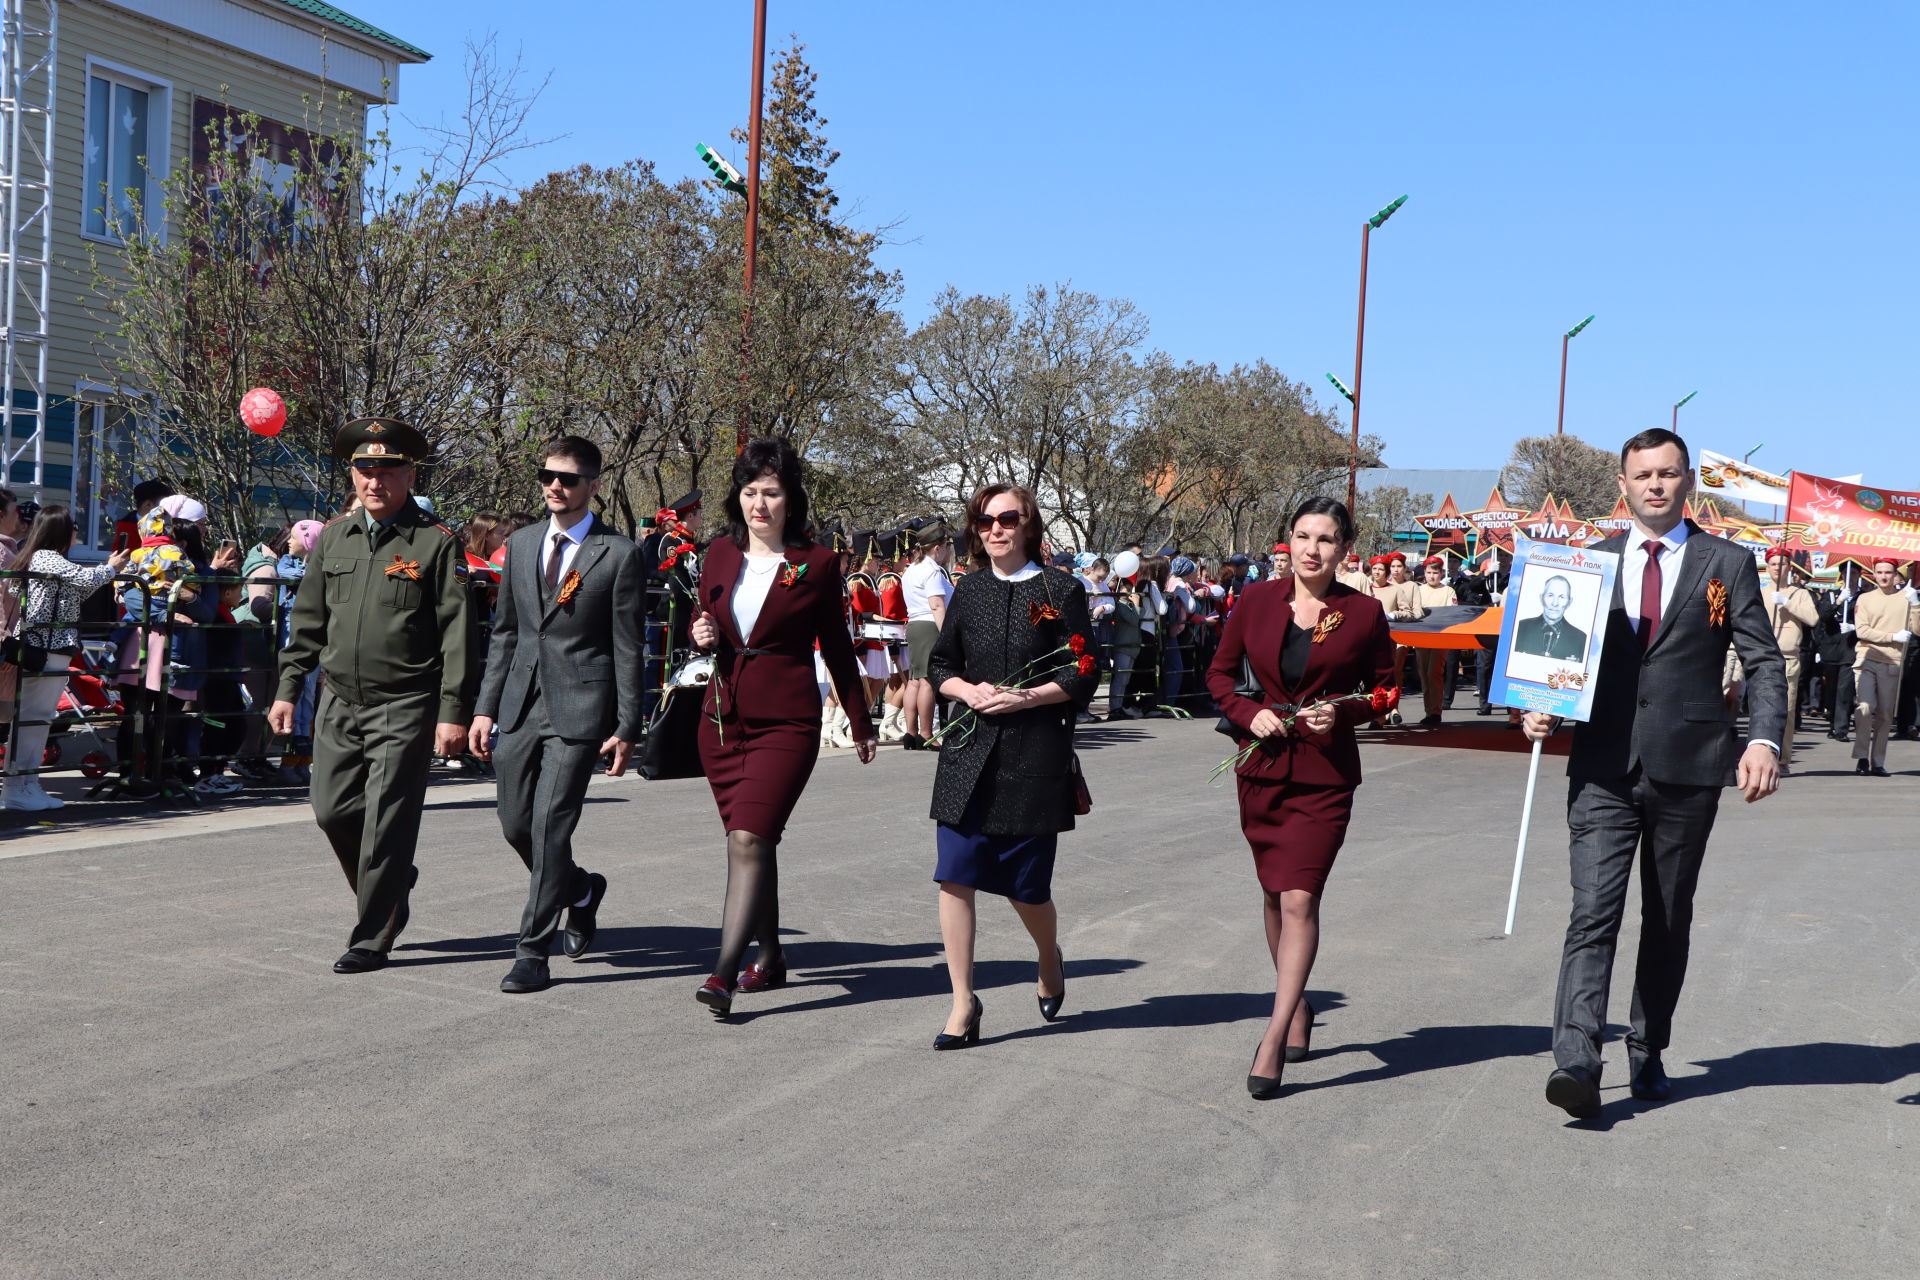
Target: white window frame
[91, 402]
[159, 142]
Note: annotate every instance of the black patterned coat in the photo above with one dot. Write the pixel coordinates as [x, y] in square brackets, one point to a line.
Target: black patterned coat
[1022, 758]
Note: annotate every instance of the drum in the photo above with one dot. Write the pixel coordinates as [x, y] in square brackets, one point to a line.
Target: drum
[891, 632]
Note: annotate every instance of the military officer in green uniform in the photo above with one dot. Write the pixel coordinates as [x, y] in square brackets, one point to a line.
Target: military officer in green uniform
[390, 630]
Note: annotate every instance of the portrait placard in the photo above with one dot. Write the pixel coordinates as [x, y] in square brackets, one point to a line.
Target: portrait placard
[1554, 624]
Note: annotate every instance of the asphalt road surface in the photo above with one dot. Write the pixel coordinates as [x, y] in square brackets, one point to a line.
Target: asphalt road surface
[192, 1092]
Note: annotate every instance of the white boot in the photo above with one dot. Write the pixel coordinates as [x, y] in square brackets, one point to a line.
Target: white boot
[24, 795]
[893, 725]
[836, 733]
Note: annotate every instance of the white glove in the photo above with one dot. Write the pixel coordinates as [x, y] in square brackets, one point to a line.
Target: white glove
[1913, 595]
[1846, 628]
[1901, 637]
[1780, 598]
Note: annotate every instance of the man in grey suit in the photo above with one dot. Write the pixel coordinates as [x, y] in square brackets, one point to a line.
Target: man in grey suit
[1548, 634]
[563, 680]
[1645, 774]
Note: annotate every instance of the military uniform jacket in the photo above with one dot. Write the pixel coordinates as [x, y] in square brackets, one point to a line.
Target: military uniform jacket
[384, 613]
[1022, 759]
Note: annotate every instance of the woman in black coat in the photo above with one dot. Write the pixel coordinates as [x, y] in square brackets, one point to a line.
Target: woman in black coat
[1014, 649]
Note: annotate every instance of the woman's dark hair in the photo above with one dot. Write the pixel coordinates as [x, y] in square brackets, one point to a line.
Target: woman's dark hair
[518, 520]
[768, 456]
[1332, 508]
[1154, 569]
[52, 530]
[1031, 523]
[281, 543]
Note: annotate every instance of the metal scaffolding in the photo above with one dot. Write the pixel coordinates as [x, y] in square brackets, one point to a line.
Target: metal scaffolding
[29, 53]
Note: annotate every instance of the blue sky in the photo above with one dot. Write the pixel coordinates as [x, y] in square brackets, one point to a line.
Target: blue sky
[1730, 188]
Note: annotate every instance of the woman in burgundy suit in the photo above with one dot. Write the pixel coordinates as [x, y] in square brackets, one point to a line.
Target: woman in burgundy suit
[1312, 643]
[767, 593]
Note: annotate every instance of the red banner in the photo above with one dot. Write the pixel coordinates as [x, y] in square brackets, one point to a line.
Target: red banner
[1846, 521]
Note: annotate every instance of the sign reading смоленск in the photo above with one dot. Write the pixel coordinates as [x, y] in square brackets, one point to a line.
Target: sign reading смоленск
[1555, 621]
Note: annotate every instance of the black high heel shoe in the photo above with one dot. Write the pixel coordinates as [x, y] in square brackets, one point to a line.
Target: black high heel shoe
[970, 1036]
[1261, 1088]
[1298, 1052]
[1050, 1005]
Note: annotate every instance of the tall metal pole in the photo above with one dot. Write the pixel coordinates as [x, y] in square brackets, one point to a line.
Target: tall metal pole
[1359, 353]
[753, 214]
[1561, 426]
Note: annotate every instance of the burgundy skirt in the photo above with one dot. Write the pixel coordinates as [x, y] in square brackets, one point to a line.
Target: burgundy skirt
[1294, 831]
[758, 772]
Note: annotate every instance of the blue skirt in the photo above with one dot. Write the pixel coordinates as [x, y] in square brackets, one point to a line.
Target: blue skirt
[1017, 867]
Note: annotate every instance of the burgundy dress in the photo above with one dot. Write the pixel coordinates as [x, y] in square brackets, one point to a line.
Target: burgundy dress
[760, 735]
[1296, 793]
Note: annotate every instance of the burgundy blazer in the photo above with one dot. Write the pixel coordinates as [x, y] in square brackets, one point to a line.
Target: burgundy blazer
[778, 684]
[1356, 653]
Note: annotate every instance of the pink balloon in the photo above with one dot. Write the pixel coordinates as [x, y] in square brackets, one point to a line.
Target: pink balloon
[263, 411]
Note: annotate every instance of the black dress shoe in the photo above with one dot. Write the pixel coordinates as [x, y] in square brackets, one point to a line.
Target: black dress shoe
[1649, 1082]
[358, 961]
[1050, 1005]
[1862, 768]
[945, 1041]
[913, 742]
[529, 974]
[582, 921]
[1262, 1088]
[1299, 1052]
[1880, 771]
[1484, 711]
[1575, 1091]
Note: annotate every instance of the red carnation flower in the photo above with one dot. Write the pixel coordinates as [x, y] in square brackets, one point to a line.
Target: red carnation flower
[1385, 698]
[1086, 664]
[1078, 644]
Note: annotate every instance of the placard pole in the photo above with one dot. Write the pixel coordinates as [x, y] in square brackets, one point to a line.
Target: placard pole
[1526, 821]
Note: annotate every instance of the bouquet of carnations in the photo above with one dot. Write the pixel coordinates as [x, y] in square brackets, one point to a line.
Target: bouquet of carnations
[1074, 647]
[1381, 699]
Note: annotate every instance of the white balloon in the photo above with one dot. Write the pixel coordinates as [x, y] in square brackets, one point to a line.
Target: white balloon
[1126, 564]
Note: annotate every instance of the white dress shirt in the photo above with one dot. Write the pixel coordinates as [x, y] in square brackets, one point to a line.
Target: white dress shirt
[750, 593]
[1633, 568]
[576, 534]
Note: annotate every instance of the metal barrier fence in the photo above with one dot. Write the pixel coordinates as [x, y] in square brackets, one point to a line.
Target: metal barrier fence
[121, 698]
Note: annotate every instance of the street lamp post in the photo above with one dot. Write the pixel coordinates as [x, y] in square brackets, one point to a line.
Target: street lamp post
[1676, 409]
[1566, 338]
[753, 214]
[1360, 350]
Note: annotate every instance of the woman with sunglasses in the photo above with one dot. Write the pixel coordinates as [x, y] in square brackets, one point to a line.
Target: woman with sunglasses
[768, 592]
[1015, 650]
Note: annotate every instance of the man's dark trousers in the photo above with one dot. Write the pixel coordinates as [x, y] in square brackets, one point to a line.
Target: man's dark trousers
[1666, 827]
[543, 783]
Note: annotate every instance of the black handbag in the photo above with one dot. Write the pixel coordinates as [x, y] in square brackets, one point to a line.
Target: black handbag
[671, 747]
[1245, 687]
[30, 658]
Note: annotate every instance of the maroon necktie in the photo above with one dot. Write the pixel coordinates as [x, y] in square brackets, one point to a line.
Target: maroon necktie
[553, 562]
[1650, 595]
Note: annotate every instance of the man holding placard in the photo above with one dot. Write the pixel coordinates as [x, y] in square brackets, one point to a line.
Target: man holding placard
[1645, 774]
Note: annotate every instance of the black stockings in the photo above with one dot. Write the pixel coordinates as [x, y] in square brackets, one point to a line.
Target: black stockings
[753, 903]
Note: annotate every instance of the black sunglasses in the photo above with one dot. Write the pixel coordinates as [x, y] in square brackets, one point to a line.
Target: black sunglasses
[567, 479]
[1006, 520]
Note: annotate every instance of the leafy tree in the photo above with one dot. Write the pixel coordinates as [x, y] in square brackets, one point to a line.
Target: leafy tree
[1565, 466]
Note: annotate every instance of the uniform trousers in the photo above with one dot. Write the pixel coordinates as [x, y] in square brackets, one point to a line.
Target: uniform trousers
[1432, 665]
[1836, 693]
[1665, 826]
[1876, 685]
[369, 783]
[543, 782]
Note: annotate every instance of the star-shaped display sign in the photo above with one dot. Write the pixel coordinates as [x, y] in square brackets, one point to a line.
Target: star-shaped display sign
[1495, 521]
[1618, 520]
[1555, 522]
[1446, 528]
